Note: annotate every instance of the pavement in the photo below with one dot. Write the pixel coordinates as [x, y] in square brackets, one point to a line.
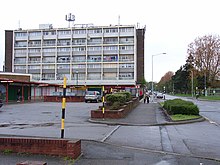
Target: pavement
[150, 114]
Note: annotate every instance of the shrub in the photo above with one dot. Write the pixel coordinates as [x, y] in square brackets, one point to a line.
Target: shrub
[115, 106]
[111, 98]
[178, 106]
[127, 94]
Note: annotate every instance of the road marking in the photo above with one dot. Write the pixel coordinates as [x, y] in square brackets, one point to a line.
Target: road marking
[210, 121]
[110, 133]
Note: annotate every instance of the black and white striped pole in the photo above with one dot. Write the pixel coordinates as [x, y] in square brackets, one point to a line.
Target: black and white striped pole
[63, 107]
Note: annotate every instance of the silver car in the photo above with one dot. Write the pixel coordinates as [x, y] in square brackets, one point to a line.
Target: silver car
[92, 96]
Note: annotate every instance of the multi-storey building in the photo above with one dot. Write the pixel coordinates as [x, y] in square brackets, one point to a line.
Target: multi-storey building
[86, 55]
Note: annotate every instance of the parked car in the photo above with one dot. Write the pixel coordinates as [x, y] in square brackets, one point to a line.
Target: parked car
[92, 96]
[1, 103]
[160, 95]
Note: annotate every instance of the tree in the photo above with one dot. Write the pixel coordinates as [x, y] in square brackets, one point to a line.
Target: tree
[206, 57]
[166, 81]
[181, 79]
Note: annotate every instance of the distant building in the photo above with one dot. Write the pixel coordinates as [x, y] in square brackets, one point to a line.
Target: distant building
[112, 56]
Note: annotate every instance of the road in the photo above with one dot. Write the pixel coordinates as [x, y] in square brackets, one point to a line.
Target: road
[116, 144]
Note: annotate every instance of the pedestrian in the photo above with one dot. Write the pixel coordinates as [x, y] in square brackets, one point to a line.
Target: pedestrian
[145, 98]
[148, 98]
[18, 95]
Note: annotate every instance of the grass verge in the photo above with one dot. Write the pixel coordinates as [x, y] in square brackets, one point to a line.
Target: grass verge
[180, 117]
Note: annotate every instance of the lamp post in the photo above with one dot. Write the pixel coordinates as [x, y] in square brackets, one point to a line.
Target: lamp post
[190, 61]
[152, 85]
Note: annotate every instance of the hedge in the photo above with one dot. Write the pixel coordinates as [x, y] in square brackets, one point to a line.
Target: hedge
[178, 106]
[111, 98]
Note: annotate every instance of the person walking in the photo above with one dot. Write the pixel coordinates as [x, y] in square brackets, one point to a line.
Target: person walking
[18, 95]
[148, 98]
[145, 98]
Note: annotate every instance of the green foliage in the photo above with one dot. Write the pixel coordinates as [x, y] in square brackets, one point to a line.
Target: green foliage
[69, 160]
[127, 94]
[178, 106]
[120, 97]
[115, 106]
[7, 151]
[179, 117]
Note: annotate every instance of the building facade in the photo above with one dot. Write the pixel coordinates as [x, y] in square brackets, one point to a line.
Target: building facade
[86, 55]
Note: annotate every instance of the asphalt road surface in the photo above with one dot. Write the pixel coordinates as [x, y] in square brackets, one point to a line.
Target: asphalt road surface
[195, 143]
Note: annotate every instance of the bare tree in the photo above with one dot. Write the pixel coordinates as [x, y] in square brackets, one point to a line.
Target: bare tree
[205, 52]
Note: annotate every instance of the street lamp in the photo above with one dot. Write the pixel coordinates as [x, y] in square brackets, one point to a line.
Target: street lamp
[152, 85]
[190, 61]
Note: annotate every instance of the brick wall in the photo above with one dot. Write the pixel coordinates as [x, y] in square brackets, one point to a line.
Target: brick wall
[57, 147]
[115, 114]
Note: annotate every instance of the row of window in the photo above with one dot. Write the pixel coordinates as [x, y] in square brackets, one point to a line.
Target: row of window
[75, 59]
[76, 49]
[90, 76]
[74, 66]
[81, 41]
[75, 31]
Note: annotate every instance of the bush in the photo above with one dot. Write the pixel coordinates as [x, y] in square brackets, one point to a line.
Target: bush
[111, 98]
[127, 94]
[115, 106]
[178, 106]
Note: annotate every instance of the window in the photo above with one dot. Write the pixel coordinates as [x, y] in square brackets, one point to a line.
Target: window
[126, 66]
[94, 48]
[126, 76]
[79, 41]
[34, 60]
[34, 50]
[92, 31]
[95, 41]
[49, 42]
[128, 29]
[63, 42]
[48, 59]
[63, 49]
[36, 76]
[110, 66]
[63, 66]
[94, 66]
[20, 34]
[48, 67]
[37, 33]
[79, 32]
[111, 30]
[34, 43]
[34, 67]
[110, 40]
[20, 67]
[49, 33]
[126, 47]
[110, 48]
[78, 49]
[48, 76]
[79, 66]
[20, 44]
[48, 50]
[64, 32]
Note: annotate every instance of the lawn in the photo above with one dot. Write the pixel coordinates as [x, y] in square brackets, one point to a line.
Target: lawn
[180, 117]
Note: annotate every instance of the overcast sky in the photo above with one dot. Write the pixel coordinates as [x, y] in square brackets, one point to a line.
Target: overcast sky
[171, 25]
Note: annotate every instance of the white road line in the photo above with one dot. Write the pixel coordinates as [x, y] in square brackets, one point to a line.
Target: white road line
[110, 133]
[210, 121]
